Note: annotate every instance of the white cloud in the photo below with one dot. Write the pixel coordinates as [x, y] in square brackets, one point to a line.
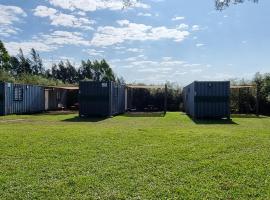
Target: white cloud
[8, 16]
[159, 70]
[178, 18]
[48, 42]
[93, 5]
[60, 19]
[13, 47]
[167, 58]
[135, 50]
[144, 14]
[122, 22]
[81, 13]
[93, 52]
[119, 48]
[64, 38]
[195, 28]
[183, 26]
[200, 45]
[109, 35]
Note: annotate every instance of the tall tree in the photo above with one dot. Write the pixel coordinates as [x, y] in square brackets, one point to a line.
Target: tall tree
[4, 57]
[72, 75]
[36, 63]
[25, 64]
[106, 71]
[15, 65]
[85, 71]
[222, 4]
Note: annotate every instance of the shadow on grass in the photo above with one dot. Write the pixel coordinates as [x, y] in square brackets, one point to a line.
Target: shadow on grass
[144, 114]
[213, 121]
[85, 119]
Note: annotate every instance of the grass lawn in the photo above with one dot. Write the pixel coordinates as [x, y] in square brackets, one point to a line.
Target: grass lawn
[172, 157]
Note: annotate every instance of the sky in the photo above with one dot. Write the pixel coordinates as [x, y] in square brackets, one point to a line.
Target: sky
[154, 41]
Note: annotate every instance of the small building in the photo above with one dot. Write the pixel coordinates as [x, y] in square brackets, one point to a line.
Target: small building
[101, 99]
[207, 99]
[59, 98]
[21, 98]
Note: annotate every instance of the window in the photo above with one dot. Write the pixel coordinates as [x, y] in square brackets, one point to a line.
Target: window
[18, 94]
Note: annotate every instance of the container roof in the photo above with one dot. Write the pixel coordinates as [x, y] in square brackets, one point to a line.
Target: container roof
[64, 87]
[242, 86]
[146, 86]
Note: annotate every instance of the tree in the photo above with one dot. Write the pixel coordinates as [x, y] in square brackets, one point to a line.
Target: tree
[24, 64]
[4, 58]
[121, 80]
[72, 75]
[36, 63]
[15, 65]
[222, 4]
[65, 72]
[85, 71]
[106, 71]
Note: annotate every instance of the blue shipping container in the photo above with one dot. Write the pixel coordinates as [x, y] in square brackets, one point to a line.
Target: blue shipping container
[21, 99]
[207, 99]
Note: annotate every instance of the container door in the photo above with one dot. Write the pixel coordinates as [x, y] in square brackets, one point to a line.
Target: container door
[126, 99]
[2, 98]
[46, 99]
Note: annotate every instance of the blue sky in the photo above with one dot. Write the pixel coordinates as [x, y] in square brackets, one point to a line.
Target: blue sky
[152, 42]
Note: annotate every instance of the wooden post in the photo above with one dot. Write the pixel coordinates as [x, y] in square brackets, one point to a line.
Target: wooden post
[165, 99]
[257, 100]
[239, 100]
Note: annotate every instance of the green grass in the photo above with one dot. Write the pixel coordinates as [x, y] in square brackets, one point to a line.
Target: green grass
[172, 157]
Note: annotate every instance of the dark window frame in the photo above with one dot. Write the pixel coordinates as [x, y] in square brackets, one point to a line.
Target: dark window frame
[18, 93]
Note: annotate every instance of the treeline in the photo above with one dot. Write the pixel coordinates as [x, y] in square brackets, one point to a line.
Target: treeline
[31, 70]
[243, 99]
[152, 99]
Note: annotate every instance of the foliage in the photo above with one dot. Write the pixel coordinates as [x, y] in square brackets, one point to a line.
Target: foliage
[219, 4]
[153, 99]
[222, 4]
[127, 157]
[5, 76]
[24, 69]
[37, 80]
[4, 57]
[243, 100]
[263, 84]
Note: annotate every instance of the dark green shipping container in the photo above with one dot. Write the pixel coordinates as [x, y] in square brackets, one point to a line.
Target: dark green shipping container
[207, 99]
[101, 99]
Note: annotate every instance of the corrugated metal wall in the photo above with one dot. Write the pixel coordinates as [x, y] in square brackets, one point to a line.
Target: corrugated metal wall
[101, 99]
[188, 98]
[209, 99]
[32, 99]
[2, 98]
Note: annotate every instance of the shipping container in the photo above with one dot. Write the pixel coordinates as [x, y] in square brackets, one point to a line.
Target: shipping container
[101, 99]
[207, 99]
[20, 99]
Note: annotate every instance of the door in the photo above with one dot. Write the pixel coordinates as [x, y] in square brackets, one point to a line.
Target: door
[46, 99]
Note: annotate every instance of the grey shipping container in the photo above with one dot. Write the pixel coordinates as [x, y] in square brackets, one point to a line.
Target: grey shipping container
[101, 99]
[207, 99]
[20, 98]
